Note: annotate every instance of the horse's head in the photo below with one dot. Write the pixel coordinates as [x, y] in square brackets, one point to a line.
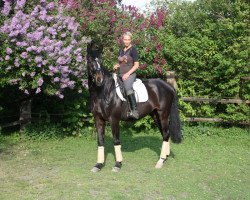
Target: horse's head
[96, 71]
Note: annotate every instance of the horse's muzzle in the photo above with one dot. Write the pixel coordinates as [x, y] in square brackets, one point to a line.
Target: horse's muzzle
[99, 79]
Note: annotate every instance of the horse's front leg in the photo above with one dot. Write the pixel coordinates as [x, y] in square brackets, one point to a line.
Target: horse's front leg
[117, 145]
[100, 127]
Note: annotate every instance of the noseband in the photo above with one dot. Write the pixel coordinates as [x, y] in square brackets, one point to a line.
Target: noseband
[96, 71]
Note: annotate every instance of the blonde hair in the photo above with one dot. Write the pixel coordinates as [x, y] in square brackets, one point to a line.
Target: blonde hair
[127, 34]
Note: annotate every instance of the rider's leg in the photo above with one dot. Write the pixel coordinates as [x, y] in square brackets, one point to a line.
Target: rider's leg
[128, 85]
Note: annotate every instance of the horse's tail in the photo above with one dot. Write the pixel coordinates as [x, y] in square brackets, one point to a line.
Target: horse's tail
[174, 124]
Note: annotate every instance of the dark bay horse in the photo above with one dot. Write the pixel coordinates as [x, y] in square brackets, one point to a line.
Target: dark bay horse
[107, 106]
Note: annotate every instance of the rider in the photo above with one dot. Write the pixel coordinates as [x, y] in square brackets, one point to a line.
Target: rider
[128, 64]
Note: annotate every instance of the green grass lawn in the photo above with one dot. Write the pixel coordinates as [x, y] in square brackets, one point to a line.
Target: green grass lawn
[213, 164]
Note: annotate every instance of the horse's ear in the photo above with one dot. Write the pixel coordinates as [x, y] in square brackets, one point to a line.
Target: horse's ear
[89, 47]
[94, 50]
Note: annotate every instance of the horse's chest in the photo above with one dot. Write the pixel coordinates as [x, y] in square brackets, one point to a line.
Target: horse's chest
[98, 107]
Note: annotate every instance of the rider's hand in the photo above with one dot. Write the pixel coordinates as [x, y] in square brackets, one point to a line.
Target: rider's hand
[125, 77]
[116, 66]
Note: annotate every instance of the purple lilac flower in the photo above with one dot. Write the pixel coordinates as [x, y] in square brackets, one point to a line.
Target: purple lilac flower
[61, 61]
[35, 36]
[59, 44]
[39, 50]
[45, 62]
[14, 22]
[22, 44]
[53, 69]
[63, 85]
[29, 49]
[20, 4]
[38, 90]
[46, 41]
[16, 62]
[59, 94]
[7, 57]
[40, 82]
[63, 35]
[43, 15]
[71, 84]
[85, 83]
[51, 31]
[50, 74]
[6, 9]
[26, 92]
[20, 15]
[34, 48]
[13, 34]
[59, 28]
[32, 74]
[52, 55]
[9, 50]
[41, 28]
[65, 69]
[48, 19]
[35, 12]
[42, 39]
[56, 79]
[38, 59]
[79, 58]
[77, 51]
[24, 55]
[50, 6]
[14, 81]
[73, 42]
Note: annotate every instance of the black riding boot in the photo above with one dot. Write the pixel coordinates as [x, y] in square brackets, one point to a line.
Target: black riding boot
[133, 106]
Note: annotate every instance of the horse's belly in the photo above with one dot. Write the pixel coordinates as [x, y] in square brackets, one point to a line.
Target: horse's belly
[143, 108]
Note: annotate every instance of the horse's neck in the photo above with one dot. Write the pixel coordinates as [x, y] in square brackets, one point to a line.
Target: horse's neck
[108, 83]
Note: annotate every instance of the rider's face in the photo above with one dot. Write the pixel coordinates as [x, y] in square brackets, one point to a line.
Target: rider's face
[127, 40]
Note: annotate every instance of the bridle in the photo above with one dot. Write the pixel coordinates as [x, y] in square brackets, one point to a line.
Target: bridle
[97, 70]
[93, 73]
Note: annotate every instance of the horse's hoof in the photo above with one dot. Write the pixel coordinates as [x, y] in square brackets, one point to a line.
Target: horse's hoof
[95, 169]
[159, 164]
[116, 169]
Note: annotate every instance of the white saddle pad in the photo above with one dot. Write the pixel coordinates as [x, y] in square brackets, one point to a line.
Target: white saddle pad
[141, 93]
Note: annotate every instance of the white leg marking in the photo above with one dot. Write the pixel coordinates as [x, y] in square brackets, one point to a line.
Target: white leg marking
[118, 153]
[100, 155]
[165, 151]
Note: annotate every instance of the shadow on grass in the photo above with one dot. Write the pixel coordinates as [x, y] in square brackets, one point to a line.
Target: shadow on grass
[131, 143]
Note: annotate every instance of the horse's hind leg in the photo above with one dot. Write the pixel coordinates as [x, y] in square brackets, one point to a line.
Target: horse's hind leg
[165, 150]
[117, 145]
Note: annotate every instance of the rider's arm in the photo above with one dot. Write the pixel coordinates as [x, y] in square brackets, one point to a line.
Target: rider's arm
[135, 56]
[134, 68]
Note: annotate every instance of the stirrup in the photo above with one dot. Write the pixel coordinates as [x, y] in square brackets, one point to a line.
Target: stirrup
[133, 115]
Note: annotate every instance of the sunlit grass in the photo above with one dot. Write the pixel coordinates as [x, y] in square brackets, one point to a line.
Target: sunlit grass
[202, 167]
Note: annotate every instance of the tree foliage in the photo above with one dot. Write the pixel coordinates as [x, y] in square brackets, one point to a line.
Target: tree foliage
[207, 44]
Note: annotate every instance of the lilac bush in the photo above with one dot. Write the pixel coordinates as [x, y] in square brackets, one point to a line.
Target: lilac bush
[44, 50]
